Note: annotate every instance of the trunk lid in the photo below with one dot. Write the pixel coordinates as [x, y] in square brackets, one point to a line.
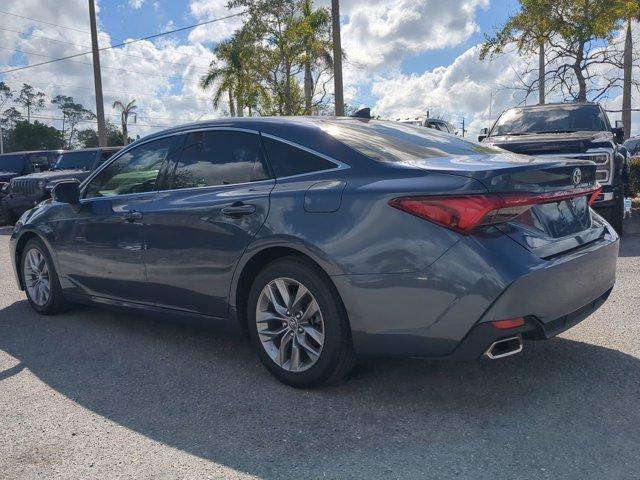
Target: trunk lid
[548, 228]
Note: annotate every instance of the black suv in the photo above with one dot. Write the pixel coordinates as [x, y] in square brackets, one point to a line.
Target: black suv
[24, 192]
[23, 163]
[575, 130]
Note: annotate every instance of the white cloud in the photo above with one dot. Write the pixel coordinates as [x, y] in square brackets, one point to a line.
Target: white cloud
[136, 4]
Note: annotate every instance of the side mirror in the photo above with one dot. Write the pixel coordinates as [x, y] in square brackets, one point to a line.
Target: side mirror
[67, 192]
[484, 133]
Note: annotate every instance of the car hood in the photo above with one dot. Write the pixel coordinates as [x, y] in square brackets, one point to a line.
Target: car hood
[552, 143]
[56, 175]
[6, 176]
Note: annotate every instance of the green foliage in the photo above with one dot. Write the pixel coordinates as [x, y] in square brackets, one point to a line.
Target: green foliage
[31, 99]
[274, 63]
[73, 113]
[577, 35]
[634, 180]
[33, 136]
[88, 138]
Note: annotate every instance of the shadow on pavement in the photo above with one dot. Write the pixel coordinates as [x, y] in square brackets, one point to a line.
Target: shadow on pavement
[562, 408]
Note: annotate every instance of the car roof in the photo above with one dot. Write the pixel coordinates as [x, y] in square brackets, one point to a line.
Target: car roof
[555, 105]
[28, 152]
[91, 149]
[298, 129]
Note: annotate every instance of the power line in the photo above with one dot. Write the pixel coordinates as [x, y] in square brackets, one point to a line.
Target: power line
[115, 92]
[149, 37]
[121, 52]
[128, 70]
[42, 21]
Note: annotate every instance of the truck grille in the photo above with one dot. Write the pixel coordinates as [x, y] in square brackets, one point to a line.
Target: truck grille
[24, 187]
[601, 157]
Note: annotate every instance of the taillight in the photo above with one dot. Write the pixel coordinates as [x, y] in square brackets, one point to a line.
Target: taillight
[508, 324]
[464, 213]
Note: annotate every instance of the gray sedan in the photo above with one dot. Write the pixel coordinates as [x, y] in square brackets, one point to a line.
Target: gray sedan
[326, 239]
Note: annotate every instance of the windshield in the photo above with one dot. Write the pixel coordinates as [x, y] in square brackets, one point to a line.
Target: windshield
[391, 141]
[75, 161]
[12, 163]
[560, 119]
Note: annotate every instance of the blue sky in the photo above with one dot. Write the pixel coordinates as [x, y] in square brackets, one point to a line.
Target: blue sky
[404, 56]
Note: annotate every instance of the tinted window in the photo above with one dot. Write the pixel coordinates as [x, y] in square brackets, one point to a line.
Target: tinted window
[391, 141]
[550, 119]
[287, 160]
[11, 163]
[105, 155]
[38, 162]
[219, 158]
[75, 161]
[134, 172]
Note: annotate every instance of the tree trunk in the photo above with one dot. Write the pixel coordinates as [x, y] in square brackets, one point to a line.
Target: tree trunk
[337, 58]
[577, 69]
[232, 104]
[28, 113]
[541, 74]
[308, 88]
[626, 87]
[125, 133]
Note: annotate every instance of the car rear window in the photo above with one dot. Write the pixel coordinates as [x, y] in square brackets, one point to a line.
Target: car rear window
[76, 160]
[287, 160]
[399, 142]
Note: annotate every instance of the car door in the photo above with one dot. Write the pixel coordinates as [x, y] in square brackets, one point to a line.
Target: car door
[197, 229]
[102, 241]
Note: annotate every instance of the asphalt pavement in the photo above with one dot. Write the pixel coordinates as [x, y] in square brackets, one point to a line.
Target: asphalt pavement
[96, 394]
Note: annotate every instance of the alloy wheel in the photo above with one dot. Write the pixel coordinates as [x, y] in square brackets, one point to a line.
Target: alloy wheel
[36, 277]
[289, 324]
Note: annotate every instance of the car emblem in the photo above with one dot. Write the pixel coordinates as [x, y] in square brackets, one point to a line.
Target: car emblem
[576, 176]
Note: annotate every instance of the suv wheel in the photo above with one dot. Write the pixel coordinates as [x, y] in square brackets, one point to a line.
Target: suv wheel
[40, 279]
[299, 325]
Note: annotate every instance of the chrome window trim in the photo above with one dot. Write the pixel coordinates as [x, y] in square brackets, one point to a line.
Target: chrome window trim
[591, 151]
[339, 165]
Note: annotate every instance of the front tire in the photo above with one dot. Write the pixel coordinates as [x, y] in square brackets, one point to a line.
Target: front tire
[299, 325]
[40, 279]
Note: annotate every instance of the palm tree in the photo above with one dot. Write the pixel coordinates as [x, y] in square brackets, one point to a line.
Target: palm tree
[315, 33]
[125, 111]
[233, 72]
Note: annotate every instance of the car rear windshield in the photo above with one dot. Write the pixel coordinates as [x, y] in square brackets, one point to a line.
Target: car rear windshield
[75, 161]
[399, 142]
[11, 163]
[559, 119]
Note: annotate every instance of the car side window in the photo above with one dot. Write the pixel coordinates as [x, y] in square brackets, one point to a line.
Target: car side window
[287, 160]
[37, 163]
[104, 156]
[219, 157]
[134, 172]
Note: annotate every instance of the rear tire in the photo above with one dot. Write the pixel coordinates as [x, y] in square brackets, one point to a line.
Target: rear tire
[8, 217]
[300, 348]
[40, 279]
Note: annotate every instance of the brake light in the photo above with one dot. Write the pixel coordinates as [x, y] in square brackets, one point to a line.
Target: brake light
[508, 324]
[464, 213]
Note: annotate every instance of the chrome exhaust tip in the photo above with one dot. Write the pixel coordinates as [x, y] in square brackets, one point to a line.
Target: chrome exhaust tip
[504, 348]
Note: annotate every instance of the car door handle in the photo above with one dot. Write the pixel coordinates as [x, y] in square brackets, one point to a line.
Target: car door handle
[238, 209]
[132, 216]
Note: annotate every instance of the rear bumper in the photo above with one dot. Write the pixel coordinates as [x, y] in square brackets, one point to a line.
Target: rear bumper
[483, 335]
[445, 311]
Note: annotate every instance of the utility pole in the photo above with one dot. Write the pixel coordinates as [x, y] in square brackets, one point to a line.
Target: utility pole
[97, 78]
[1, 141]
[337, 58]
[463, 128]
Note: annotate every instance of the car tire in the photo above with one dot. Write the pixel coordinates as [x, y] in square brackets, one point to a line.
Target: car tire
[315, 347]
[616, 217]
[38, 271]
